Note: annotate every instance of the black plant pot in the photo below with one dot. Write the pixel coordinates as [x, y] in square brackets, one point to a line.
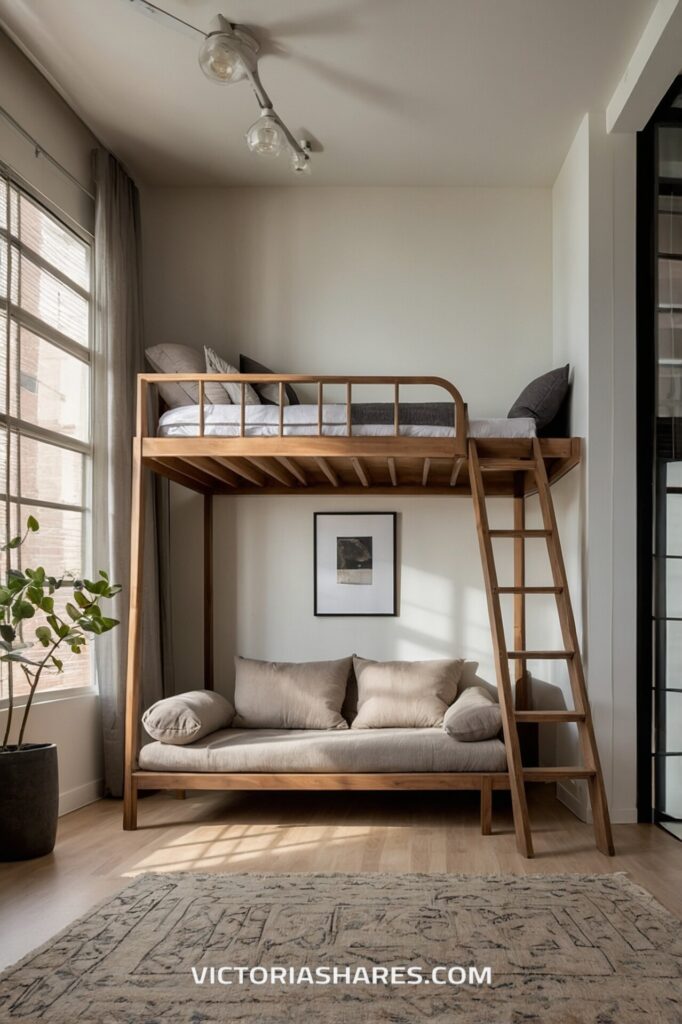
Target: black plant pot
[29, 801]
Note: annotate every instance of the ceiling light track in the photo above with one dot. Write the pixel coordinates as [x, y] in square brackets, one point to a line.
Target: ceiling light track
[229, 54]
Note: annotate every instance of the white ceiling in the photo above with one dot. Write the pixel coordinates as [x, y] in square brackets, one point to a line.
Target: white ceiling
[398, 92]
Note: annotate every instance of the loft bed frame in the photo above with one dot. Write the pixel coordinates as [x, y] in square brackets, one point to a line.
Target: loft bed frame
[321, 463]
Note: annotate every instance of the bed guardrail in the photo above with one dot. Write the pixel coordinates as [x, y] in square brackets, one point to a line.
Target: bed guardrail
[147, 381]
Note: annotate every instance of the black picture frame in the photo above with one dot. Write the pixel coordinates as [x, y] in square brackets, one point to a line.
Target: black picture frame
[393, 517]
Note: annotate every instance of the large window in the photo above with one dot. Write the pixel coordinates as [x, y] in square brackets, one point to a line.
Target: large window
[45, 388]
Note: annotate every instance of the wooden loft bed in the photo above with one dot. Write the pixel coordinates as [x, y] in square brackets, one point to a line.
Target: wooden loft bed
[324, 463]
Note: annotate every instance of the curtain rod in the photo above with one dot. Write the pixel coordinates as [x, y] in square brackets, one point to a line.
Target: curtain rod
[41, 151]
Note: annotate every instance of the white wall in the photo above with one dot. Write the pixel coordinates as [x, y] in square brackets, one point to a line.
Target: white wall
[594, 327]
[455, 282]
[70, 722]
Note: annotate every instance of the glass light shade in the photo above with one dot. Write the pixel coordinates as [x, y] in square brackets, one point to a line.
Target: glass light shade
[220, 60]
[265, 136]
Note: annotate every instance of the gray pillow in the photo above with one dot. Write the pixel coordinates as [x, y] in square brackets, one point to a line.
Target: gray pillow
[233, 389]
[290, 695]
[183, 359]
[268, 393]
[542, 398]
[474, 716]
[404, 694]
[187, 717]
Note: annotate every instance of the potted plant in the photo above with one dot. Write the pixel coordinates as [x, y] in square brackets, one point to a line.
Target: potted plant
[29, 785]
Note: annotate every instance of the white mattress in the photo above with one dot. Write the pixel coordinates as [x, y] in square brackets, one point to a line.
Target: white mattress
[301, 420]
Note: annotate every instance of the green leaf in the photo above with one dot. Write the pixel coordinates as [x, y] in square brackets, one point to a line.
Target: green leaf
[75, 648]
[5, 596]
[32, 524]
[59, 665]
[47, 604]
[14, 543]
[73, 612]
[80, 599]
[108, 623]
[35, 594]
[44, 635]
[8, 633]
[104, 575]
[23, 610]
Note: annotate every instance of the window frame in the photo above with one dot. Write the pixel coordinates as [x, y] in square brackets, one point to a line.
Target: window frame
[73, 348]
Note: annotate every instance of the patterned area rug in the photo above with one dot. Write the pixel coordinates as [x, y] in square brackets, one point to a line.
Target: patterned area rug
[569, 949]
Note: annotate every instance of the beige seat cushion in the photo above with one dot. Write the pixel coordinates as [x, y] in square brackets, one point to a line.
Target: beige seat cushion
[290, 695]
[183, 359]
[187, 716]
[404, 694]
[292, 751]
[474, 716]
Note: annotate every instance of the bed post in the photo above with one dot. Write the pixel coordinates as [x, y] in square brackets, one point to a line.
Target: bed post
[132, 703]
[208, 591]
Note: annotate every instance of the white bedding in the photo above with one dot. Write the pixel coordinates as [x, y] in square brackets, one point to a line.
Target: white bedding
[300, 420]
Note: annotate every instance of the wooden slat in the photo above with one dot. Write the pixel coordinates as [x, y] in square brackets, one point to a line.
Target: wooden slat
[326, 780]
[349, 404]
[533, 534]
[396, 410]
[392, 472]
[528, 590]
[242, 468]
[281, 409]
[507, 465]
[320, 403]
[425, 472]
[361, 472]
[293, 468]
[549, 716]
[202, 410]
[328, 472]
[242, 409]
[274, 469]
[171, 470]
[557, 774]
[213, 469]
[456, 467]
[181, 472]
[541, 655]
[309, 446]
[511, 737]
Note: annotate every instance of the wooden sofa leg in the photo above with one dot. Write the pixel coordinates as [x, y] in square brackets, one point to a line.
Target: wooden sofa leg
[130, 805]
[486, 807]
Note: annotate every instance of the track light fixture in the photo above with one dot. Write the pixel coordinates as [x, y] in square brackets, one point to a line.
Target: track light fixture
[230, 54]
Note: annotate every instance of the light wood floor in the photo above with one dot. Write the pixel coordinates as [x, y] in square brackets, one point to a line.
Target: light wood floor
[301, 832]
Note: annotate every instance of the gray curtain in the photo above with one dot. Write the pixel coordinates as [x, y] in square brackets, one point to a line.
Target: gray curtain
[118, 357]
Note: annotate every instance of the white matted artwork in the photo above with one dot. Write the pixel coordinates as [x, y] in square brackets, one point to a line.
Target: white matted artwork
[355, 563]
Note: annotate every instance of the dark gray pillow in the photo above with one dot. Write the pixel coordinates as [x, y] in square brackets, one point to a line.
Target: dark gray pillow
[542, 398]
[248, 365]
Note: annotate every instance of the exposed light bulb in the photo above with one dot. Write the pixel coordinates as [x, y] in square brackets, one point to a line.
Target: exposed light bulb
[220, 60]
[265, 136]
[300, 164]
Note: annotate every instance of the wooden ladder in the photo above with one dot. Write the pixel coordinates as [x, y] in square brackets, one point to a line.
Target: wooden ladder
[511, 718]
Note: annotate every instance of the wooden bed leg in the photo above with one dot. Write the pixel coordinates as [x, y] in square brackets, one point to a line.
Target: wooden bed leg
[180, 794]
[132, 704]
[486, 807]
[208, 591]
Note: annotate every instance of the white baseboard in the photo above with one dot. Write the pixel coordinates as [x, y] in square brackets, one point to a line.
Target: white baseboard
[578, 803]
[72, 799]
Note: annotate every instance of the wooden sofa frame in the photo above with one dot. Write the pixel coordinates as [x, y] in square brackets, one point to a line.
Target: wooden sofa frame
[355, 464]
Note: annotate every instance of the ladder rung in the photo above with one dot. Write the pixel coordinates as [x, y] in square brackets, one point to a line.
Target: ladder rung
[530, 590]
[520, 533]
[540, 655]
[502, 465]
[549, 716]
[554, 774]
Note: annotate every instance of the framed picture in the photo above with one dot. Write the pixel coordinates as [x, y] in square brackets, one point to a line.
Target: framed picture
[355, 563]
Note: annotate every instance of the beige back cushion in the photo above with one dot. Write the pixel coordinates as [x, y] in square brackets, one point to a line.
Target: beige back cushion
[183, 359]
[187, 717]
[404, 694]
[474, 716]
[290, 695]
[233, 389]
